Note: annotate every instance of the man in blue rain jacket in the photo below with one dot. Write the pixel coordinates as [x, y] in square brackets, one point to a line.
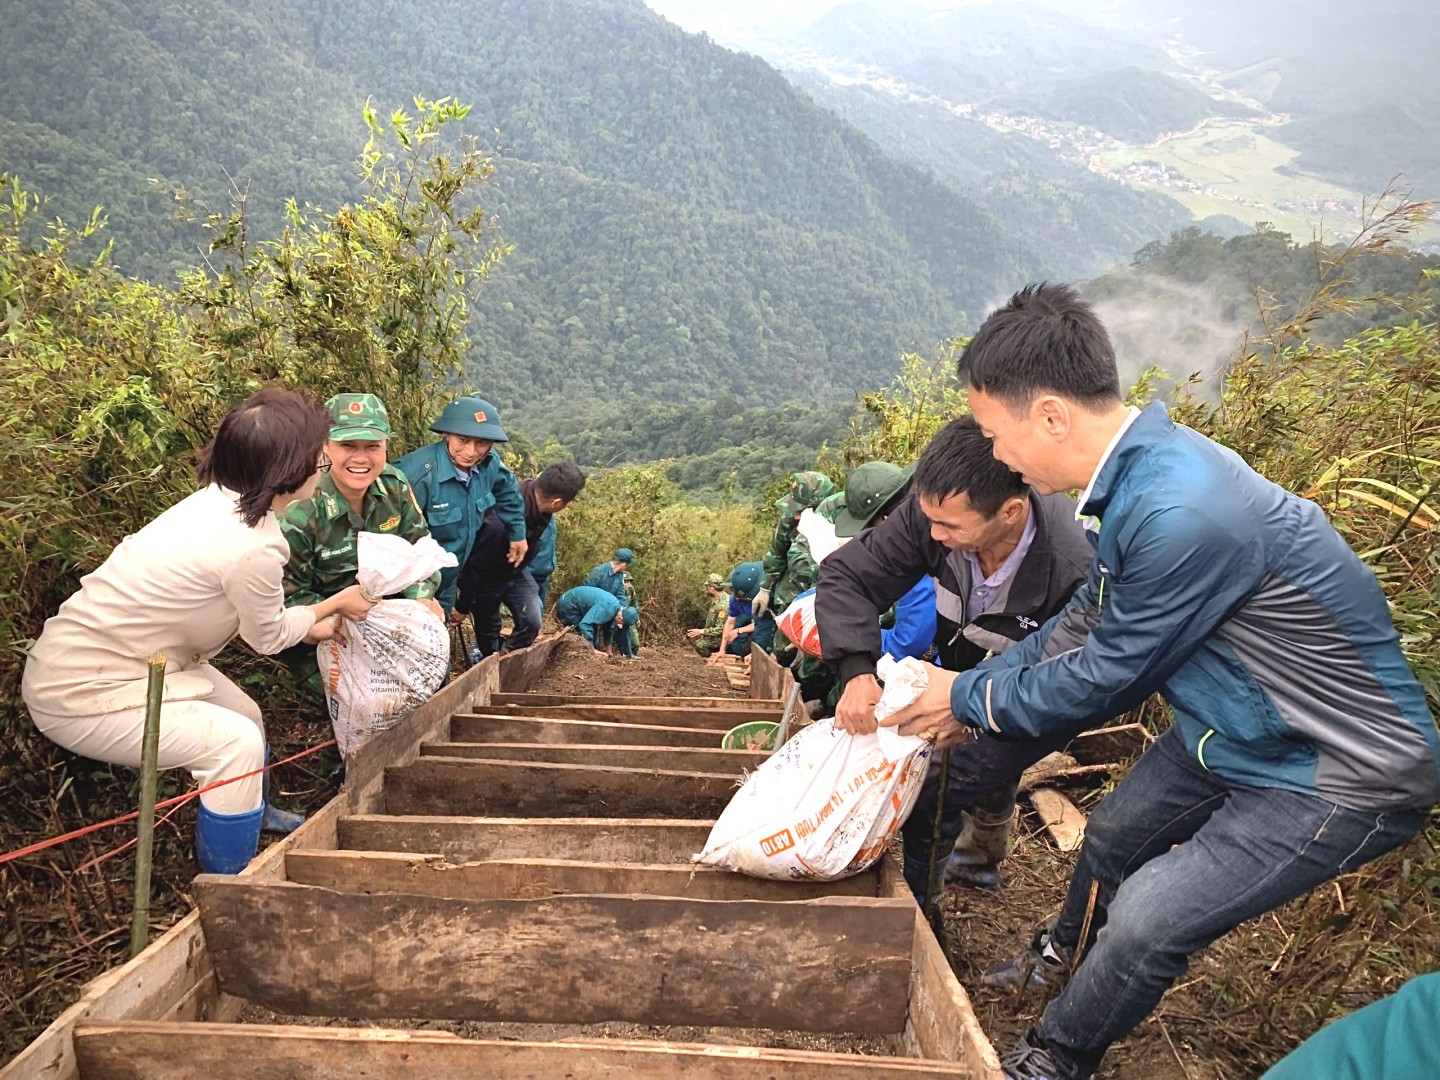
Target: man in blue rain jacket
[1302, 745]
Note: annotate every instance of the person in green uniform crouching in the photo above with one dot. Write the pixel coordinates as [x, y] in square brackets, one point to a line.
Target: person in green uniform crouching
[706, 639]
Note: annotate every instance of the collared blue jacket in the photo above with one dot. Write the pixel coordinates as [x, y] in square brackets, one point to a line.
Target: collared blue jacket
[454, 509]
[1238, 602]
[591, 611]
[612, 581]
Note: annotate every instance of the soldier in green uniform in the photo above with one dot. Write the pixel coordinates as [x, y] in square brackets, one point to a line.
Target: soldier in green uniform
[706, 639]
[777, 587]
[357, 492]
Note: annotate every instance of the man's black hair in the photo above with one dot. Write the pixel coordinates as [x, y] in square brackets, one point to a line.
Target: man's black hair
[563, 480]
[959, 459]
[1044, 339]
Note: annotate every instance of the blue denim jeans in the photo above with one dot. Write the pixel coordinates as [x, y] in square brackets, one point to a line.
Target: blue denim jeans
[521, 596]
[1182, 857]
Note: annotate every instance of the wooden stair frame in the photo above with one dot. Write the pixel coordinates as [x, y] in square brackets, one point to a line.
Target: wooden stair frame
[590, 912]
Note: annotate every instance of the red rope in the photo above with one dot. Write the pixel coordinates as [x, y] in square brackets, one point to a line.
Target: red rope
[31, 849]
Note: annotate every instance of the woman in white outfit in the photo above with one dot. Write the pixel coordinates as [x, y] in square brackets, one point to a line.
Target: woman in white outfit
[184, 585]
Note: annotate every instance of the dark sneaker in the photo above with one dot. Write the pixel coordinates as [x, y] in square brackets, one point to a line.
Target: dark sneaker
[1029, 1061]
[1031, 968]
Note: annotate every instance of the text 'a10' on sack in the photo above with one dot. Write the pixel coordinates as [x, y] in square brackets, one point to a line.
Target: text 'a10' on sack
[393, 662]
[827, 803]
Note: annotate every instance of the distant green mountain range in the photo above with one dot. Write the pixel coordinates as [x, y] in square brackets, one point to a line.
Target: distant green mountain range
[686, 223]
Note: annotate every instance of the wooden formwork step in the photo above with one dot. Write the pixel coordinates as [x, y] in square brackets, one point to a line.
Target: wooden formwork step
[618, 840]
[685, 758]
[838, 964]
[498, 879]
[761, 704]
[668, 716]
[434, 785]
[147, 1050]
[491, 727]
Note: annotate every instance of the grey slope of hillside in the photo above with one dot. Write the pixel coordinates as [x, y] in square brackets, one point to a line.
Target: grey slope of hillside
[1358, 80]
[1002, 43]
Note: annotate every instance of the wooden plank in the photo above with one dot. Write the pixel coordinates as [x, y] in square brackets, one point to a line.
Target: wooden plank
[1057, 766]
[619, 840]
[150, 1051]
[365, 766]
[519, 670]
[1106, 745]
[606, 699]
[159, 980]
[173, 978]
[434, 875]
[488, 727]
[767, 678]
[721, 720]
[1064, 821]
[837, 964]
[521, 788]
[686, 759]
[941, 1022]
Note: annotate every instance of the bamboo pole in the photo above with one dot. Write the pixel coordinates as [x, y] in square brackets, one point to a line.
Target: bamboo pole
[145, 827]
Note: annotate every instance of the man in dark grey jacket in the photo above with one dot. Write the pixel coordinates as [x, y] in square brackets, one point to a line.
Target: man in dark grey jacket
[1005, 559]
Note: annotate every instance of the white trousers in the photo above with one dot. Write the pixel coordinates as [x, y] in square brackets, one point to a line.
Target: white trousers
[215, 737]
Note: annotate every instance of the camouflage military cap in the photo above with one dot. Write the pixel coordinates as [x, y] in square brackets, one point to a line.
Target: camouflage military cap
[358, 418]
[806, 489]
[829, 507]
[715, 581]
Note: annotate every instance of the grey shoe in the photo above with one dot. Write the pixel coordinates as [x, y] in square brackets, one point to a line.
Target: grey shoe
[1031, 968]
[1030, 1061]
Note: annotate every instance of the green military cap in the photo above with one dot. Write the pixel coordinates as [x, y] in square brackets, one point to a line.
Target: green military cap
[806, 489]
[471, 416]
[715, 581]
[358, 418]
[867, 490]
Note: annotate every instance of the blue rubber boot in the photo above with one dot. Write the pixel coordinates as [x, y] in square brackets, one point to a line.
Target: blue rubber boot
[224, 843]
[275, 820]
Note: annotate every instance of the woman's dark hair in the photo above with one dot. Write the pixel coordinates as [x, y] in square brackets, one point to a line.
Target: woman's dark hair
[563, 480]
[959, 459]
[267, 445]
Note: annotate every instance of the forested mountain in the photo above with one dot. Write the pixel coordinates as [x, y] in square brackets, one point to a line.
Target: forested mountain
[1186, 305]
[1086, 223]
[685, 223]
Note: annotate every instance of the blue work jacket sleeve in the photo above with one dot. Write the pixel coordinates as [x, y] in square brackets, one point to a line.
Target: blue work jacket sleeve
[914, 630]
[509, 503]
[1153, 597]
[543, 564]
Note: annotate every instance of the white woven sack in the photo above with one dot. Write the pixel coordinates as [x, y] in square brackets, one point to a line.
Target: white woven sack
[395, 660]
